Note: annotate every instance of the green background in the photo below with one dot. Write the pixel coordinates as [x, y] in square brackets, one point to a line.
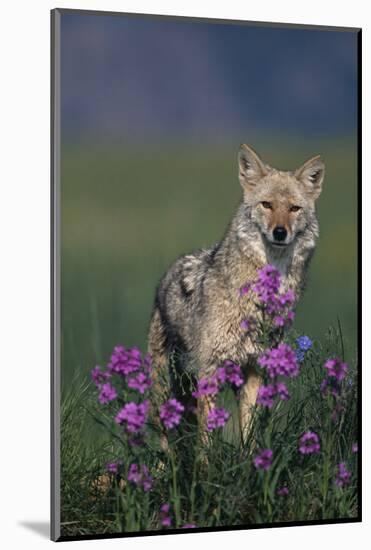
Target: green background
[127, 213]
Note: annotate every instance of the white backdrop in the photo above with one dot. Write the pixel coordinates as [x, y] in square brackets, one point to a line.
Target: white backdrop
[24, 271]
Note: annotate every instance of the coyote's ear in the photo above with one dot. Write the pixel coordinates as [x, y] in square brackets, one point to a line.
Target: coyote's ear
[311, 174]
[251, 168]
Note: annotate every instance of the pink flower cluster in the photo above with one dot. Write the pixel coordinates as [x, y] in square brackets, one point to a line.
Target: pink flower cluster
[268, 393]
[309, 443]
[107, 393]
[206, 386]
[133, 416]
[113, 467]
[171, 413]
[99, 376]
[279, 361]
[216, 418]
[336, 372]
[125, 361]
[140, 476]
[343, 476]
[263, 460]
[129, 365]
[275, 303]
[336, 369]
[165, 515]
[229, 372]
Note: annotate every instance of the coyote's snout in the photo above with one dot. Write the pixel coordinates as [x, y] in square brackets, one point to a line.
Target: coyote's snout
[197, 310]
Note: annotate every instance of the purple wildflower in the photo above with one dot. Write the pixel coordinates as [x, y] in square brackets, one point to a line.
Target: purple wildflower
[336, 369]
[309, 443]
[230, 372]
[276, 304]
[290, 316]
[343, 475]
[304, 343]
[266, 395]
[245, 324]
[244, 290]
[140, 476]
[113, 467]
[216, 418]
[283, 491]
[282, 391]
[134, 474]
[125, 361]
[268, 284]
[166, 520]
[171, 413]
[355, 447]
[189, 526]
[206, 386]
[286, 299]
[279, 321]
[279, 361]
[263, 461]
[330, 386]
[107, 393]
[140, 382]
[147, 479]
[99, 376]
[165, 514]
[221, 374]
[133, 415]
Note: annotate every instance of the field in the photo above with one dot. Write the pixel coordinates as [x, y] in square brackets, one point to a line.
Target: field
[298, 461]
[126, 215]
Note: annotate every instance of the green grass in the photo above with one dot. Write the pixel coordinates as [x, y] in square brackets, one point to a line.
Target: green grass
[214, 483]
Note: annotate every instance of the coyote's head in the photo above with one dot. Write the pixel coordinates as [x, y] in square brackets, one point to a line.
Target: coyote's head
[281, 204]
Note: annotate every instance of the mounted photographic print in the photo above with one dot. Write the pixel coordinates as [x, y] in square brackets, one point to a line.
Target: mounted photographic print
[205, 274]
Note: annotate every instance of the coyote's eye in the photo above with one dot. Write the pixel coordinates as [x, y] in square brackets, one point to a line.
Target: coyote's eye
[267, 204]
[295, 208]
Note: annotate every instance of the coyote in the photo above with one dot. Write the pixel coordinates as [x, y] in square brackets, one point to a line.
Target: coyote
[197, 310]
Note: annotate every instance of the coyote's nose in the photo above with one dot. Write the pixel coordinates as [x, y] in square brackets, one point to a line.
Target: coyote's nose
[279, 233]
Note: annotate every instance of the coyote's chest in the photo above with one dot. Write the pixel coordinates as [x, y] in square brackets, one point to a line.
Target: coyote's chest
[231, 328]
[230, 331]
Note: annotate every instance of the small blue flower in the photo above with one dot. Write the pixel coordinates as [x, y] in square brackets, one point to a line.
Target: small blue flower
[304, 343]
[300, 355]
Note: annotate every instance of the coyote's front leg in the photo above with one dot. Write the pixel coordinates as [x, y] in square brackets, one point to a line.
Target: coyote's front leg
[205, 403]
[159, 355]
[248, 396]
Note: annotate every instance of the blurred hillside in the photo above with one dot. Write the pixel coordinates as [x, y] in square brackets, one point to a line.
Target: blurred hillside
[140, 78]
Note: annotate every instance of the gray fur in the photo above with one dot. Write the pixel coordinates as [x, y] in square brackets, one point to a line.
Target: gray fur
[197, 308]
